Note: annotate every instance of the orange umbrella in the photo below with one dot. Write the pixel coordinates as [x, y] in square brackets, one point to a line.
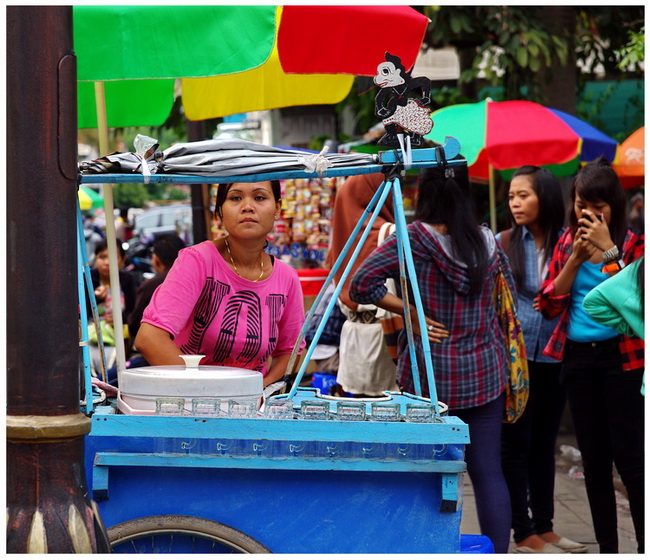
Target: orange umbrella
[630, 160]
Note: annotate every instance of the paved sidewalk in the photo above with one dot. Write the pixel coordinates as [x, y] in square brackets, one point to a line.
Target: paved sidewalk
[572, 515]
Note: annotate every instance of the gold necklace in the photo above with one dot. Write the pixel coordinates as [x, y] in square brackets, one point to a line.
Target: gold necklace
[235, 266]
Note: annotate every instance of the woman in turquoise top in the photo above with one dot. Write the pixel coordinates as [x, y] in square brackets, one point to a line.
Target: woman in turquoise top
[528, 446]
[618, 301]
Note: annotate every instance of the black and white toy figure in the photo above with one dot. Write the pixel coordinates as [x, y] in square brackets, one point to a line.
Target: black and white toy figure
[405, 118]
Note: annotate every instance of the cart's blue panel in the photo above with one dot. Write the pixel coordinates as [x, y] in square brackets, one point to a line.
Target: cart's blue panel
[294, 511]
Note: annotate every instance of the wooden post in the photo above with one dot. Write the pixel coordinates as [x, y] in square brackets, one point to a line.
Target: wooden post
[48, 509]
[200, 194]
[111, 245]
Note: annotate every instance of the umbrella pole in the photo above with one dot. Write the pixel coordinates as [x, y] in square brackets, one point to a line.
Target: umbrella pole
[493, 210]
[102, 130]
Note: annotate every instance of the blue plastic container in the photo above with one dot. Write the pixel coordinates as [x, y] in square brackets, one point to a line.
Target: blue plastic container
[476, 544]
[323, 381]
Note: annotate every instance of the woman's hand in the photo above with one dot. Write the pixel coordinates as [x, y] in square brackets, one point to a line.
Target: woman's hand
[583, 249]
[101, 292]
[594, 230]
[436, 331]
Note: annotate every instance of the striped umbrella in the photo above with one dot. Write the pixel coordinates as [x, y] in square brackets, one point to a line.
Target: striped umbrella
[508, 134]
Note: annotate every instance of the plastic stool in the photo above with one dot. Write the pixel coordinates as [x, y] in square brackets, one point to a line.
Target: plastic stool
[476, 544]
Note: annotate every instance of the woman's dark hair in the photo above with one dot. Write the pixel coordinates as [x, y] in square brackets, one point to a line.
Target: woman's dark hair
[223, 188]
[103, 245]
[598, 182]
[550, 218]
[444, 198]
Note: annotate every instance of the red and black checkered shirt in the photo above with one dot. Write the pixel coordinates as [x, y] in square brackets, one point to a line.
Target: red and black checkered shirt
[631, 347]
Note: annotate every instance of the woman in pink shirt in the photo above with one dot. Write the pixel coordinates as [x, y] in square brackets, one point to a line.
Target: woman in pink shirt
[228, 299]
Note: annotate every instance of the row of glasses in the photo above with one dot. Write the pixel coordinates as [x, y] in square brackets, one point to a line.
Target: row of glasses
[310, 410]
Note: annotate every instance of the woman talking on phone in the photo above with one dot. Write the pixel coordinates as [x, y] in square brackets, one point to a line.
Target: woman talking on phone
[601, 369]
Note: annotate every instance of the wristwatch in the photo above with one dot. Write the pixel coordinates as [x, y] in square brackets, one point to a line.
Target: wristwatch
[611, 254]
[613, 266]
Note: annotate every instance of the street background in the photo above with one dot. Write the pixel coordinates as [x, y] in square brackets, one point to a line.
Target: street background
[572, 515]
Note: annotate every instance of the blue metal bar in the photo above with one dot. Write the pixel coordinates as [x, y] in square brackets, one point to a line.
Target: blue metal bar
[417, 298]
[93, 302]
[402, 233]
[382, 193]
[82, 263]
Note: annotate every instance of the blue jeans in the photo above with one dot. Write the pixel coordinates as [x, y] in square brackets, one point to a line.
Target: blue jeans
[483, 457]
[528, 452]
[608, 415]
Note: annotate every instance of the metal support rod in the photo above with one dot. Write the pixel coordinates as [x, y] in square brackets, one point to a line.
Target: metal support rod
[400, 222]
[83, 314]
[401, 232]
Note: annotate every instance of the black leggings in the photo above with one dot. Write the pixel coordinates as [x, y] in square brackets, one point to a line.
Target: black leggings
[607, 409]
[528, 452]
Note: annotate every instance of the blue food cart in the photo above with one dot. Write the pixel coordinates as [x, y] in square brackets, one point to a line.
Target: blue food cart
[308, 473]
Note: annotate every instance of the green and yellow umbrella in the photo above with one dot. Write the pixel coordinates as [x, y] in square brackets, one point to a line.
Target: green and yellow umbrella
[89, 199]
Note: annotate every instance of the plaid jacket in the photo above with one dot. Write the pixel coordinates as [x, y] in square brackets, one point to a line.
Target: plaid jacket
[631, 347]
[470, 366]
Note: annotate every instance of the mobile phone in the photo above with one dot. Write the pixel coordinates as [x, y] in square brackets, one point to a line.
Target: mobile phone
[588, 217]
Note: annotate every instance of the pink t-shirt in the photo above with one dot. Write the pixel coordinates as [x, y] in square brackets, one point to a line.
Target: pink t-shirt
[208, 309]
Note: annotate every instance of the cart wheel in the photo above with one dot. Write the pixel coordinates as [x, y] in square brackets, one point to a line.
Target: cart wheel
[180, 533]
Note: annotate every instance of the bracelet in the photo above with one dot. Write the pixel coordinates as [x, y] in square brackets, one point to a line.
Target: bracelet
[611, 254]
[613, 266]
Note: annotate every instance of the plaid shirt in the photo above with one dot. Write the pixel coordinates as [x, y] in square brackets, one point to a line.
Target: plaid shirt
[470, 366]
[631, 347]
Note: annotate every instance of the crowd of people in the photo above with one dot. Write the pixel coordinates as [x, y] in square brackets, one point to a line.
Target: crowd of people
[238, 306]
[583, 346]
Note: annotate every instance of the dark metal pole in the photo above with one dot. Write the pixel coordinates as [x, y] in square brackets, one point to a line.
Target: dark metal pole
[200, 193]
[48, 509]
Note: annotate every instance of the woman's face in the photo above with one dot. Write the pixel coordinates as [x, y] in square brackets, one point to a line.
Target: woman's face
[101, 263]
[523, 201]
[599, 208]
[250, 209]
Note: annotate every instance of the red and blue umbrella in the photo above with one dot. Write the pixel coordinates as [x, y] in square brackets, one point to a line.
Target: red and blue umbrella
[505, 135]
